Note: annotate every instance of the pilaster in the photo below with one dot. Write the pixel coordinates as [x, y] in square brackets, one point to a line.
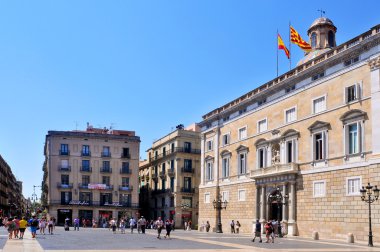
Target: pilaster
[374, 64]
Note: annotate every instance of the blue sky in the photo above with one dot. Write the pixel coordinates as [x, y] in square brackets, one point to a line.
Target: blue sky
[140, 65]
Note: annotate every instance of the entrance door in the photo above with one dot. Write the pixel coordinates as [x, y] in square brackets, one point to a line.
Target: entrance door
[276, 211]
[63, 214]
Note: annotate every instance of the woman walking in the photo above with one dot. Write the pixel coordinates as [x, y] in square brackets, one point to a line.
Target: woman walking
[168, 227]
[42, 225]
[50, 225]
[10, 225]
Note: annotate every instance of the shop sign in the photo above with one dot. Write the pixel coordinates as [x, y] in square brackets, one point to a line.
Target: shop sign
[79, 203]
[97, 186]
[116, 204]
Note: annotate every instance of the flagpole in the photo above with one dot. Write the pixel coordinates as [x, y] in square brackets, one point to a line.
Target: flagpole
[277, 50]
[290, 50]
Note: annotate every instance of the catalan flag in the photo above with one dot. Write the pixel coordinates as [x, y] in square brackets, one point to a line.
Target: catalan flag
[282, 46]
[296, 39]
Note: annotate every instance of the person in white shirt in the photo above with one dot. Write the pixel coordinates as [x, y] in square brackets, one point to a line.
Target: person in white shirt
[159, 225]
[132, 223]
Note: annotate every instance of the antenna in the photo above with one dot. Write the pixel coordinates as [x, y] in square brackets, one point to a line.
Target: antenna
[322, 12]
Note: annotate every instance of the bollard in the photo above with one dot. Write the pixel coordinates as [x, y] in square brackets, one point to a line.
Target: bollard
[350, 238]
[315, 235]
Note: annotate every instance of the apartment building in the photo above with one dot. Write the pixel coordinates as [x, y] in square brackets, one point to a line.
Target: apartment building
[300, 147]
[169, 178]
[91, 174]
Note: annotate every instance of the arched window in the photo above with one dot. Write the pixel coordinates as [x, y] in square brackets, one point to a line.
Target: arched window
[331, 39]
[313, 40]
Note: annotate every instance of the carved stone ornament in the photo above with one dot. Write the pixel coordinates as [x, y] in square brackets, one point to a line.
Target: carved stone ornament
[374, 63]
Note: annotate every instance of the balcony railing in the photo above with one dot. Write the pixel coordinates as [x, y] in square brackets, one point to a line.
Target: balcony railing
[86, 154]
[126, 188]
[125, 171]
[86, 169]
[277, 169]
[64, 185]
[105, 170]
[125, 155]
[64, 168]
[109, 187]
[82, 185]
[187, 170]
[187, 190]
[94, 203]
[106, 154]
[176, 149]
[64, 152]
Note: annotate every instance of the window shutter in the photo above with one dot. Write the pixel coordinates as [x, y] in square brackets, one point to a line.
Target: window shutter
[358, 87]
[360, 145]
[324, 144]
[313, 147]
[345, 95]
[346, 140]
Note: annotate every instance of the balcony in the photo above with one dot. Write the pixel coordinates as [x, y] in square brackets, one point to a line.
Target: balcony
[105, 170]
[64, 152]
[64, 185]
[125, 171]
[85, 153]
[64, 168]
[109, 187]
[83, 185]
[187, 190]
[86, 169]
[125, 155]
[126, 188]
[277, 169]
[94, 203]
[187, 170]
[161, 191]
[171, 173]
[162, 174]
[176, 149]
[106, 154]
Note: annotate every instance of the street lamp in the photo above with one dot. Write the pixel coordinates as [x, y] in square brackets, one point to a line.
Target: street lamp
[219, 205]
[279, 200]
[368, 191]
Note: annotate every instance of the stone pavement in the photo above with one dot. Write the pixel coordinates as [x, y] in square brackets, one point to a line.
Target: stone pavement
[96, 240]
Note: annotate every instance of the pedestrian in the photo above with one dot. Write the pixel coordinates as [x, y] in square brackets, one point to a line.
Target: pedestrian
[168, 227]
[132, 223]
[189, 225]
[275, 228]
[283, 228]
[237, 225]
[159, 225]
[76, 224]
[257, 231]
[185, 225]
[173, 225]
[33, 226]
[269, 231]
[42, 225]
[208, 226]
[50, 225]
[10, 225]
[22, 224]
[122, 226]
[113, 225]
[142, 224]
[17, 227]
[84, 223]
[232, 225]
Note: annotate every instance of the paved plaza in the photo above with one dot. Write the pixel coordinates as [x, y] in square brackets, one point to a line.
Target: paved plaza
[104, 240]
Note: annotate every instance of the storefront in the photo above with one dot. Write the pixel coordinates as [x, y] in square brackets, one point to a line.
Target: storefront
[62, 214]
[87, 215]
[104, 218]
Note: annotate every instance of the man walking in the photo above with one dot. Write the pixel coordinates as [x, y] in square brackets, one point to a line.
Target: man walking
[143, 224]
[132, 224]
[159, 225]
[257, 231]
[76, 224]
[232, 224]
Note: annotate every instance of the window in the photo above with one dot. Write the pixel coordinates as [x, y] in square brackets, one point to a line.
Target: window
[352, 93]
[85, 180]
[187, 147]
[188, 165]
[290, 115]
[163, 182]
[262, 126]
[290, 89]
[242, 111]
[85, 196]
[289, 151]
[64, 179]
[317, 76]
[353, 185]
[125, 182]
[125, 167]
[351, 61]
[353, 133]
[319, 146]
[261, 102]
[66, 198]
[163, 168]
[125, 199]
[225, 119]
[172, 184]
[105, 198]
[207, 198]
[319, 188]
[187, 184]
[172, 164]
[261, 157]
[106, 180]
[172, 201]
[86, 165]
[126, 153]
[106, 151]
[65, 164]
[64, 149]
[225, 196]
[319, 104]
[85, 150]
[106, 165]
[225, 139]
[172, 147]
[241, 194]
[242, 164]
[225, 167]
[209, 145]
[164, 151]
[331, 39]
[208, 171]
[313, 40]
[242, 133]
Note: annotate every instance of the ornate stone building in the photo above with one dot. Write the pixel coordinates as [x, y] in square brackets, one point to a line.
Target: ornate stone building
[311, 134]
[169, 177]
[91, 174]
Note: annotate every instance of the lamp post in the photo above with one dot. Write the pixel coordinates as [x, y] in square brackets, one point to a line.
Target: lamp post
[279, 200]
[219, 205]
[369, 196]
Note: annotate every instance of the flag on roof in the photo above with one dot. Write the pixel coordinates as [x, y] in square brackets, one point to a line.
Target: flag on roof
[296, 39]
[282, 46]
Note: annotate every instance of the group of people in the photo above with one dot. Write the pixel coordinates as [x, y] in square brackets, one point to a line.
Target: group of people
[160, 224]
[16, 227]
[272, 229]
[235, 227]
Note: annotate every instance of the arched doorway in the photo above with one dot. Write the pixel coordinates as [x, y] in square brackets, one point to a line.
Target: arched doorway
[275, 204]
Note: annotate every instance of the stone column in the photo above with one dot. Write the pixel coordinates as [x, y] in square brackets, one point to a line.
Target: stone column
[257, 203]
[292, 224]
[374, 64]
[262, 208]
[216, 155]
[284, 216]
[269, 155]
[282, 152]
[202, 159]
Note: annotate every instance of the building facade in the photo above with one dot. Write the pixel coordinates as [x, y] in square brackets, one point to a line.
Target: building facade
[12, 202]
[310, 135]
[170, 176]
[91, 174]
